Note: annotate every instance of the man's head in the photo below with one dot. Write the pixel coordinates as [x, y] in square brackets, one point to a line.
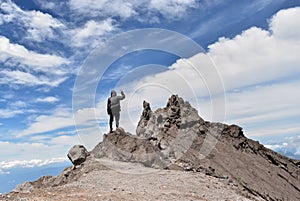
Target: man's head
[113, 93]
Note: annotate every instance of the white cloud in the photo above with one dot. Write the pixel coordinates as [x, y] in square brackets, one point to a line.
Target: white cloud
[64, 140]
[40, 26]
[38, 62]
[120, 8]
[15, 108]
[51, 65]
[29, 151]
[3, 172]
[60, 118]
[49, 99]
[18, 104]
[125, 9]
[30, 154]
[30, 163]
[63, 118]
[8, 8]
[258, 68]
[172, 8]
[271, 98]
[23, 78]
[254, 57]
[8, 113]
[91, 33]
[284, 25]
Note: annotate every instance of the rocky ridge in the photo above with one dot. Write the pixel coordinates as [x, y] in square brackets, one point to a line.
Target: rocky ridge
[176, 138]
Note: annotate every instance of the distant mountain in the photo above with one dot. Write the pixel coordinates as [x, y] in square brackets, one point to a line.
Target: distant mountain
[288, 153]
[17, 175]
[176, 138]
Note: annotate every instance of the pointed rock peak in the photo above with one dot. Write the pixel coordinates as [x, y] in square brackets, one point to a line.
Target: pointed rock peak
[177, 115]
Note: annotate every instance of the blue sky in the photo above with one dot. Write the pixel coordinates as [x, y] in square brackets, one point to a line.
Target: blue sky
[45, 46]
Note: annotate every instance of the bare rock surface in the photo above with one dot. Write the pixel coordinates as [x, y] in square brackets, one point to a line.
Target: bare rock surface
[134, 182]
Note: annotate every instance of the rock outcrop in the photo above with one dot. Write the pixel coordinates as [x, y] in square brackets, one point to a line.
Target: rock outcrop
[123, 146]
[176, 137]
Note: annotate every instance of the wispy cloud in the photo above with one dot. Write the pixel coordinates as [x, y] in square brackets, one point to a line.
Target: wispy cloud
[52, 5]
[28, 154]
[39, 25]
[60, 118]
[4, 172]
[169, 9]
[49, 99]
[18, 104]
[23, 78]
[30, 163]
[25, 65]
[119, 8]
[38, 62]
[91, 33]
[8, 113]
[42, 26]
[172, 9]
[33, 68]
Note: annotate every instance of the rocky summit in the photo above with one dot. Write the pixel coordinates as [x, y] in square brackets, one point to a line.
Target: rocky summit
[174, 141]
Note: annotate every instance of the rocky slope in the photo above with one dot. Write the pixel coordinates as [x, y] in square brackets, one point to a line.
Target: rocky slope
[94, 181]
[175, 137]
[178, 142]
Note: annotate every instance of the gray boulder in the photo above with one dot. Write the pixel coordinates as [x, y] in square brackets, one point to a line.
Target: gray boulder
[77, 154]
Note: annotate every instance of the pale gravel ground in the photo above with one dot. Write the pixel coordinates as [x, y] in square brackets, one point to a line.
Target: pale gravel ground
[148, 184]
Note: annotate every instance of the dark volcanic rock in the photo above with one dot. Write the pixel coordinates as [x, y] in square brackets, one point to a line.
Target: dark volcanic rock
[77, 154]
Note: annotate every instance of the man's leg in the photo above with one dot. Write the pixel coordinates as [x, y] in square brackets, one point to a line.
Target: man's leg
[117, 119]
[111, 119]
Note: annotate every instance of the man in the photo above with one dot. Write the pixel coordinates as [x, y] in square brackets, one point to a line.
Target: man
[114, 108]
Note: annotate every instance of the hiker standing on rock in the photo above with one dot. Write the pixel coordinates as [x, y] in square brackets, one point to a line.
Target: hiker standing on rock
[114, 108]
